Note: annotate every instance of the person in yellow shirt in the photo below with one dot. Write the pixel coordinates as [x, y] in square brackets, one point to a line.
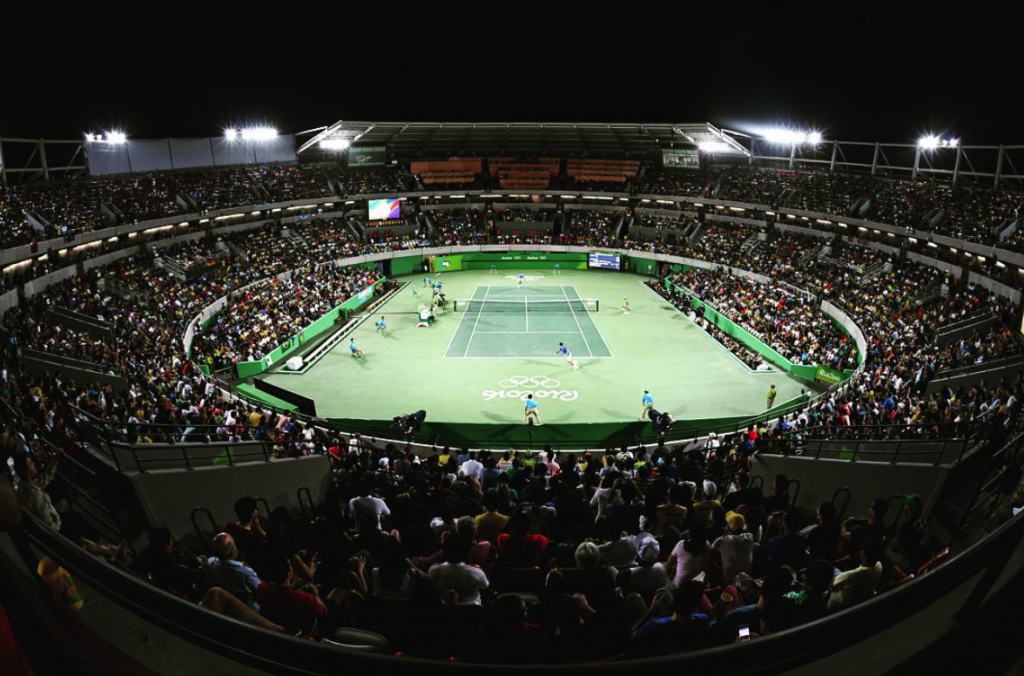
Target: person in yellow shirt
[491, 523]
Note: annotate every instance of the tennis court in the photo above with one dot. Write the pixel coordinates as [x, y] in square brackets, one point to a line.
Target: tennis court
[499, 322]
[655, 348]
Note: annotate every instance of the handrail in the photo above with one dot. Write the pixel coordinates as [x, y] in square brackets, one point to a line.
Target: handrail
[846, 503]
[303, 491]
[205, 541]
[262, 502]
[796, 496]
[802, 645]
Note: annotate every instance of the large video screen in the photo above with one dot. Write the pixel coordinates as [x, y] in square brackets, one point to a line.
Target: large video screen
[680, 158]
[382, 210]
[367, 156]
[604, 261]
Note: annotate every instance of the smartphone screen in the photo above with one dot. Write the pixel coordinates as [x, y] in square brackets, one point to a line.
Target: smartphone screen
[745, 633]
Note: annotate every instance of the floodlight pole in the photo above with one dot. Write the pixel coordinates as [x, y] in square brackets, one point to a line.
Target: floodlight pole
[792, 155]
[874, 162]
[999, 165]
[959, 158]
[835, 151]
[42, 159]
[917, 163]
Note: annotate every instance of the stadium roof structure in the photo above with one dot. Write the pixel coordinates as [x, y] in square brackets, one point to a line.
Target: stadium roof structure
[410, 140]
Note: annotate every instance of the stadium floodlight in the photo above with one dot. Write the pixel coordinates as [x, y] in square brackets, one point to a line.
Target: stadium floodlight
[230, 134]
[258, 133]
[790, 137]
[929, 142]
[950, 142]
[116, 137]
[336, 144]
[714, 147]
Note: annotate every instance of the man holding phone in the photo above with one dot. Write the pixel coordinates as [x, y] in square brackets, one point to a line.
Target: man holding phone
[685, 629]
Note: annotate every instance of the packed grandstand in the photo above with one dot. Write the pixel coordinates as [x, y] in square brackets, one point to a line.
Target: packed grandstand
[648, 547]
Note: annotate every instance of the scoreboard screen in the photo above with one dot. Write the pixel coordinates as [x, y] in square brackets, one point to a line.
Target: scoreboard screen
[382, 210]
[604, 261]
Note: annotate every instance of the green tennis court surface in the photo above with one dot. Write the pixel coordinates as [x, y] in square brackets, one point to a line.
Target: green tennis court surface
[459, 372]
[503, 322]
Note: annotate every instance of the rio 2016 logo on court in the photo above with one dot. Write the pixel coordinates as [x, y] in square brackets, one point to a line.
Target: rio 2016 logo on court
[541, 387]
[527, 278]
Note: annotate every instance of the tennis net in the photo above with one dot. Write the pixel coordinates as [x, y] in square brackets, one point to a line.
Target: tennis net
[523, 305]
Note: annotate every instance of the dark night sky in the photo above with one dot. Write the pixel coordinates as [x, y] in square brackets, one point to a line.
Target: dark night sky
[853, 82]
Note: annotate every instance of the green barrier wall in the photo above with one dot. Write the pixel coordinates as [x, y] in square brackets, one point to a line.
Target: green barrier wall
[247, 369]
[406, 266]
[446, 263]
[526, 260]
[737, 332]
[591, 436]
[641, 266]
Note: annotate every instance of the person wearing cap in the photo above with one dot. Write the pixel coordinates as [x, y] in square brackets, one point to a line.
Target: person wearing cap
[705, 510]
[648, 404]
[736, 548]
[912, 545]
[647, 577]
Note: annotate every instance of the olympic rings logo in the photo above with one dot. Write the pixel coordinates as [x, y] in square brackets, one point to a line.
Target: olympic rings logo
[528, 381]
[541, 387]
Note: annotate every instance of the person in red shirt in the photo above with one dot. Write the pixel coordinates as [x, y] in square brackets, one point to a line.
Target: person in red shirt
[297, 611]
[517, 548]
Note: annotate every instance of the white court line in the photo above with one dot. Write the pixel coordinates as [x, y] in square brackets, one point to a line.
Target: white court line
[596, 327]
[526, 306]
[532, 333]
[520, 358]
[487, 290]
[461, 319]
[583, 335]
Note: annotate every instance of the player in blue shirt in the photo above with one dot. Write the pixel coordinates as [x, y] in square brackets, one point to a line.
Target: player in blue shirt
[567, 353]
[531, 410]
[522, 278]
[648, 405]
[356, 352]
[558, 268]
[382, 326]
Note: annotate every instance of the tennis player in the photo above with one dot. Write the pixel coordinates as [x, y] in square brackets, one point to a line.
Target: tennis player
[356, 352]
[531, 411]
[494, 269]
[648, 405]
[382, 326]
[625, 305]
[567, 353]
[558, 268]
[522, 279]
